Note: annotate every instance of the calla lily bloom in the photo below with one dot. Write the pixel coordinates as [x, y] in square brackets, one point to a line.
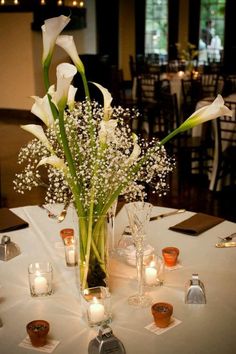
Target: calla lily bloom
[65, 74]
[107, 130]
[136, 150]
[107, 101]
[202, 115]
[209, 112]
[134, 154]
[38, 131]
[67, 43]
[71, 97]
[50, 30]
[54, 161]
[41, 108]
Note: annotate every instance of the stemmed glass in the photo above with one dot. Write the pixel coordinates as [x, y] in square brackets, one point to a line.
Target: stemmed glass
[139, 216]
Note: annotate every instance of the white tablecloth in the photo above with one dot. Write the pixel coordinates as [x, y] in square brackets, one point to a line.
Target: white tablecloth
[205, 329]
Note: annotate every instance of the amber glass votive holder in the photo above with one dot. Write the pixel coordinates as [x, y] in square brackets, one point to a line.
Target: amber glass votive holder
[170, 256]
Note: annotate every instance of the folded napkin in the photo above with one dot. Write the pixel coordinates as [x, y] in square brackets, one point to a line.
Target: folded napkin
[196, 224]
[9, 221]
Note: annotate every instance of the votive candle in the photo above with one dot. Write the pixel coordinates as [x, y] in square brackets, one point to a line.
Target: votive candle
[150, 275]
[96, 311]
[40, 284]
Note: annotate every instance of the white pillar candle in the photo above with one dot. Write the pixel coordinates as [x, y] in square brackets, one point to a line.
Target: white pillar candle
[150, 275]
[40, 284]
[71, 256]
[96, 311]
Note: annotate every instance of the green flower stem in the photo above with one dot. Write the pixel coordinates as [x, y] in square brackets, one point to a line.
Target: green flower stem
[85, 84]
[75, 187]
[46, 66]
[171, 135]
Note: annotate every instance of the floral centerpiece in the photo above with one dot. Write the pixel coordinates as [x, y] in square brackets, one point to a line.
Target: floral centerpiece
[187, 55]
[90, 153]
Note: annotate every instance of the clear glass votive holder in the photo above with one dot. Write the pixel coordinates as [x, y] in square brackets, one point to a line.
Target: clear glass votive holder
[40, 278]
[71, 255]
[96, 304]
[154, 272]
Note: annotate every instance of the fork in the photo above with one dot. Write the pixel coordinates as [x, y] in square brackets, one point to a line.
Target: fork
[50, 214]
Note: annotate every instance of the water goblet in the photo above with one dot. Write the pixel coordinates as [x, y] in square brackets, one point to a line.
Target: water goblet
[139, 216]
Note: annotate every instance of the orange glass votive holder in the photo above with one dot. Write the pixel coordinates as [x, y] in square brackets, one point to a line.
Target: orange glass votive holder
[67, 236]
[162, 312]
[170, 255]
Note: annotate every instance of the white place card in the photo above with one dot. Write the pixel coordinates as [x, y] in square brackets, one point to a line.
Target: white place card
[152, 327]
[47, 348]
[177, 266]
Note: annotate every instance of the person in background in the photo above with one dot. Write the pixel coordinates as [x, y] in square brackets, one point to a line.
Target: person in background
[207, 33]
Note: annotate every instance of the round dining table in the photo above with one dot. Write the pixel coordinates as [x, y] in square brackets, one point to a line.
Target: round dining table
[199, 328]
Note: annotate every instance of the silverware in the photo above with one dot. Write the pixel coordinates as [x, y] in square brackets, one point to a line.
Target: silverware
[226, 244]
[59, 217]
[160, 216]
[62, 215]
[50, 214]
[228, 238]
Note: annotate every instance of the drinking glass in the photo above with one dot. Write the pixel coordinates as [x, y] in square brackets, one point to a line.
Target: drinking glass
[139, 216]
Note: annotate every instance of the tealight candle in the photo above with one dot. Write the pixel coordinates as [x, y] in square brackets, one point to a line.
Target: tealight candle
[150, 275]
[96, 311]
[40, 284]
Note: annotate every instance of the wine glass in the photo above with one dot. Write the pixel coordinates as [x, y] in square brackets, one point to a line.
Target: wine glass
[139, 216]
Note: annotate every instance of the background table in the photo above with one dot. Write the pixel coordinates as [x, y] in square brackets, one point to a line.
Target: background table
[205, 329]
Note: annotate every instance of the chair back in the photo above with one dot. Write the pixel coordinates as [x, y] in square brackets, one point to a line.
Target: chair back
[168, 118]
[229, 85]
[226, 129]
[191, 93]
[146, 84]
[162, 86]
[225, 147]
[210, 85]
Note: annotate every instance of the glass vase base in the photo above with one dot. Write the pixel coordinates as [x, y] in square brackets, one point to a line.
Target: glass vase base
[140, 300]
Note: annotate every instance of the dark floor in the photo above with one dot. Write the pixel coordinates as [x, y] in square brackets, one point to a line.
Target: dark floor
[189, 192]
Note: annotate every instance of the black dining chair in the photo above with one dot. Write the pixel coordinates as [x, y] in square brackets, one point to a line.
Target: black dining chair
[192, 92]
[225, 149]
[229, 86]
[210, 84]
[146, 99]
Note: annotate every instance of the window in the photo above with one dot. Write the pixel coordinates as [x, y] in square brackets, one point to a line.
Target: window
[212, 25]
[156, 28]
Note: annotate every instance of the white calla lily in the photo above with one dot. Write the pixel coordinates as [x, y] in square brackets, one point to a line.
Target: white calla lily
[54, 161]
[202, 115]
[107, 130]
[41, 108]
[209, 112]
[134, 154]
[38, 132]
[107, 101]
[50, 30]
[136, 150]
[71, 97]
[67, 43]
[65, 74]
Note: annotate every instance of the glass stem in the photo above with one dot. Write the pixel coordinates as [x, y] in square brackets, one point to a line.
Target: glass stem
[139, 262]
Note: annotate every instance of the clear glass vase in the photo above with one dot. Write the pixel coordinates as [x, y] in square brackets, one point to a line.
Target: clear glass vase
[93, 250]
